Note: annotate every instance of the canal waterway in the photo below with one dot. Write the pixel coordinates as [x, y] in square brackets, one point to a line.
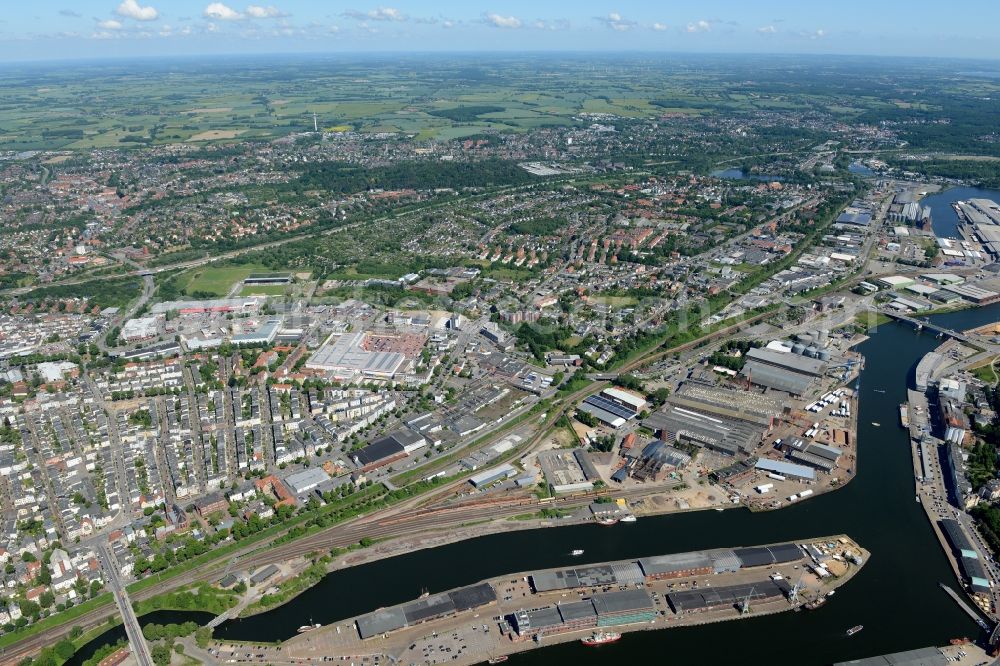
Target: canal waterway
[895, 596]
[944, 218]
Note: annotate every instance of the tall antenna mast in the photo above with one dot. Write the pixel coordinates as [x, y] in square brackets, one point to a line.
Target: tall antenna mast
[315, 123]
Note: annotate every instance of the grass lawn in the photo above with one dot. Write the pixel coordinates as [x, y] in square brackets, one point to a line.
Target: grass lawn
[614, 301]
[985, 373]
[218, 280]
[266, 289]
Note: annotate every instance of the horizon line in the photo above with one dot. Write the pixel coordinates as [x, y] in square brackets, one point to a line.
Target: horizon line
[471, 53]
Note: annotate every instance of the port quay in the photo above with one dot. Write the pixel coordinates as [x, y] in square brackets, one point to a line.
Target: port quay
[604, 601]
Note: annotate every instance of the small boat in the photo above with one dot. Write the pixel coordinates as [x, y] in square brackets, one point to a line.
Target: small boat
[877, 425]
[309, 627]
[880, 390]
[831, 593]
[577, 552]
[629, 519]
[855, 629]
[607, 522]
[601, 638]
[960, 641]
[499, 659]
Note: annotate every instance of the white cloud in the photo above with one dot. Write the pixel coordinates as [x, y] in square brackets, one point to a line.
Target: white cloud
[256, 11]
[377, 14]
[816, 34]
[551, 25]
[659, 27]
[616, 21]
[699, 26]
[499, 21]
[767, 30]
[447, 23]
[217, 10]
[110, 24]
[133, 10]
[386, 14]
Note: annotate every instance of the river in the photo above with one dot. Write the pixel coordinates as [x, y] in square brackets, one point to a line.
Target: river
[895, 596]
[944, 218]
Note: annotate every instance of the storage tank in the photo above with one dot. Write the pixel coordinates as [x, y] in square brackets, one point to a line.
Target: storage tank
[804, 337]
[824, 355]
[798, 348]
[824, 335]
[811, 351]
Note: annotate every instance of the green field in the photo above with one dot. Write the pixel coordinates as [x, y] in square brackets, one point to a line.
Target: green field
[266, 289]
[614, 301]
[218, 280]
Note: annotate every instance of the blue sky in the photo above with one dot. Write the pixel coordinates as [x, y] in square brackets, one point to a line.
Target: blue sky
[60, 29]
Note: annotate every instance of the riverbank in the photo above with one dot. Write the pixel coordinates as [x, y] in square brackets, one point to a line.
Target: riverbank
[761, 581]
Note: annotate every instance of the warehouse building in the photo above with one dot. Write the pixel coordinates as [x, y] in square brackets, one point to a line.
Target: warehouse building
[308, 479]
[347, 358]
[264, 335]
[929, 656]
[681, 565]
[265, 574]
[633, 401]
[613, 413]
[696, 601]
[615, 573]
[689, 426]
[490, 476]
[216, 306]
[431, 607]
[720, 401]
[623, 607]
[607, 609]
[790, 373]
[142, 328]
[761, 556]
[785, 469]
[971, 568]
[388, 449]
[973, 294]
[894, 282]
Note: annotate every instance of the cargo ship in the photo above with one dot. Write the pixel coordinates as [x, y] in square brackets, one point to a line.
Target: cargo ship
[601, 638]
[855, 629]
[904, 415]
[607, 522]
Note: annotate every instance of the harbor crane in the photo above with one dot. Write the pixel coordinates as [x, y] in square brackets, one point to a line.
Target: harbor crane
[745, 604]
